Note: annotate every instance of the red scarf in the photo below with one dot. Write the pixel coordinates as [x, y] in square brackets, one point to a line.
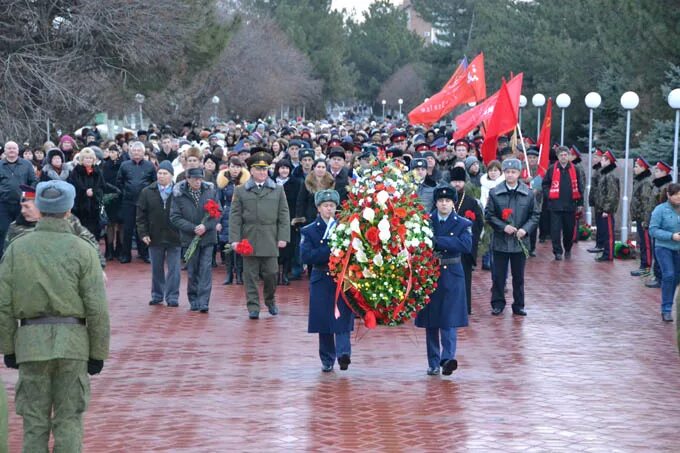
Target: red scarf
[89, 170]
[555, 185]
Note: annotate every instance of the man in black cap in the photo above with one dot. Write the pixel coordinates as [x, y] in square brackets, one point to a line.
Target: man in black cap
[306, 160]
[424, 182]
[259, 213]
[469, 207]
[187, 214]
[511, 212]
[336, 167]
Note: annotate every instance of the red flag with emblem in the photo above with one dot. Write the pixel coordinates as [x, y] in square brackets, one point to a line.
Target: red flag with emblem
[544, 141]
[467, 84]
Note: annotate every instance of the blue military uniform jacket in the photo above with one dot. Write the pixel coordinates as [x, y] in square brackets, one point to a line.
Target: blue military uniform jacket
[315, 251]
[448, 303]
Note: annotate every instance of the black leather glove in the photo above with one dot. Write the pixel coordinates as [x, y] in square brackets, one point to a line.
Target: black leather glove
[11, 361]
[94, 366]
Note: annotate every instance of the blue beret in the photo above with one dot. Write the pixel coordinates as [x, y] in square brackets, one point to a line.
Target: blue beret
[54, 197]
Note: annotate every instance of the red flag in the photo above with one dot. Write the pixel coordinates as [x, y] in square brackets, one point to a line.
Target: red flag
[467, 84]
[503, 119]
[544, 141]
[467, 121]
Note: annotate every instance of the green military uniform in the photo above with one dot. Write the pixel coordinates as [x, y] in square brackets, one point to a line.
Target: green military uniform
[3, 419]
[18, 229]
[261, 216]
[52, 357]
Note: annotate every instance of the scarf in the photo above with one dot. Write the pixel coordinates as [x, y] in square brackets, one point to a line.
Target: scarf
[89, 170]
[555, 185]
[53, 175]
[281, 181]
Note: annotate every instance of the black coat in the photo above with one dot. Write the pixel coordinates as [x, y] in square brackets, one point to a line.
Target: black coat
[470, 203]
[88, 209]
[161, 156]
[565, 202]
[153, 218]
[341, 183]
[525, 215]
[133, 177]
[292, 189]
[186, 215]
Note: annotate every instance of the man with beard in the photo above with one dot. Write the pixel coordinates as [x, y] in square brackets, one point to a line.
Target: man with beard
[467, 206]
[640, 211]
[607, 202]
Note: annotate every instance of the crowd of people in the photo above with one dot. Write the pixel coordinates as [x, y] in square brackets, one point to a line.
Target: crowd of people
[189, 198]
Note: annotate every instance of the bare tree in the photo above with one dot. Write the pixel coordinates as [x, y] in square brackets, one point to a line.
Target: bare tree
[65, 59]
[405, 84]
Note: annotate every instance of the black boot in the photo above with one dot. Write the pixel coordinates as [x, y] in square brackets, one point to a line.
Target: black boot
[239, 278]
[230, 274]
[284, 274]
[108, 253]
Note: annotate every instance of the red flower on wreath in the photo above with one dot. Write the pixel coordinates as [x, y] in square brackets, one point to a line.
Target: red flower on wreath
[470, 215]
[400, 212]
[505, 215]
[373, 235]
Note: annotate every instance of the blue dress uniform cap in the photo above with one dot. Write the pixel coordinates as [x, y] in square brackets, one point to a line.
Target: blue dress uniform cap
[326, 195]
[445, 192]
[418, 163]
[306, 152]
[298, 143]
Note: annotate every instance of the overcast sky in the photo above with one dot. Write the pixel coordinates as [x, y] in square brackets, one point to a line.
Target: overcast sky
[357, 5]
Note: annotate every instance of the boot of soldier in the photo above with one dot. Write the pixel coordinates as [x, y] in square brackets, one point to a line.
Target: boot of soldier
[230, 274]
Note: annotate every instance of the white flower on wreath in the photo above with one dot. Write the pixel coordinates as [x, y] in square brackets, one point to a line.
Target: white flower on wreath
[384, 228]
[355, 226]
[427, 231]
[378, 260]
[361, 256]
[382, 198]
[357, 244]
[368, 214]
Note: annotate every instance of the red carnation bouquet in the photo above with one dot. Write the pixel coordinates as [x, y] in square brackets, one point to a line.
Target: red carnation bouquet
[244, 248]
[470, 215]
[506, 215]
[381, 248]
[212, 211]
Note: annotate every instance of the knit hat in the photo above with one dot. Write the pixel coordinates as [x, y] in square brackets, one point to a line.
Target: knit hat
[54, 197]
[470, 161]
[167, 166]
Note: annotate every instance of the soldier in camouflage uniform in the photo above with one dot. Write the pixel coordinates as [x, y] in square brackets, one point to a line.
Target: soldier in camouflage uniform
[662, 178]
[594, 179]
[26, 221]
[607, 202]
[64, 324]
[640, 212]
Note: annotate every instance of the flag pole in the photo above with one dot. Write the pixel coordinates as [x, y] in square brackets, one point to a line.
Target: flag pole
[524, 149]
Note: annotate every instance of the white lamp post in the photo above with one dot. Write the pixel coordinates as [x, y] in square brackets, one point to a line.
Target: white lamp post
[216, 101]
[400, 102]
[538, 101]
[139, 97]
[383, 102]
[674, 102]
[629, 101]
[593, 101]
[563, 101]
[522, 104]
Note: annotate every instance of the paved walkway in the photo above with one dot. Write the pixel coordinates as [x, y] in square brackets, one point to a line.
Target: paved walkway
[592, 368]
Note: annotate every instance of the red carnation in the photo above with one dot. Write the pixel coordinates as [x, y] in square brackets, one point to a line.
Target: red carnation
[244, 248]
[470, 215]
[505, 215]
[373, 235]
[212, 208]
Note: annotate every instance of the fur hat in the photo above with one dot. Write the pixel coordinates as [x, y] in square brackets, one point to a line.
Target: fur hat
[54, 197]
[193, 152]
[326, 195]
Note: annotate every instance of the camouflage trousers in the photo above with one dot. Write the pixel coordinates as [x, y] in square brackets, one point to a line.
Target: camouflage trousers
[51, 396]
[3, 419]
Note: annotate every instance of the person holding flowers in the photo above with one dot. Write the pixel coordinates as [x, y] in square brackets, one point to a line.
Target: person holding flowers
[195, 212]
[512, 213]
[334, 340]
[447, 310]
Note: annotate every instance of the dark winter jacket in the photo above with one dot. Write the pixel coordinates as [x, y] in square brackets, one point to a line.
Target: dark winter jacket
[153, 218]
[13, 175]
[642, 201]
[87, 209]
[161, 156]
[341, 182]
[133, 177]
[565, 202]
[525, 215]
[186, 214]
[608, 191]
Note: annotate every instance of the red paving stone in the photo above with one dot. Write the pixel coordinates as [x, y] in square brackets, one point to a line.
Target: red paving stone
[591, 369]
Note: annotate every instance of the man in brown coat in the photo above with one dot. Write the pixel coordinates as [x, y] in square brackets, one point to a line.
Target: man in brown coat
[259, 213]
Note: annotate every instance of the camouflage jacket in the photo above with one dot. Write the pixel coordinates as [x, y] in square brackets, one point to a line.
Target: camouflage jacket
[66, 281]
[642, 202]
[660, 191]
[594, 179]
[607, 193]
[17, 230]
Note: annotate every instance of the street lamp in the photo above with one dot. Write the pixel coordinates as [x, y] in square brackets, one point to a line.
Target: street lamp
[563, 101]
[215, 100]
[674, 102]
[593, 101]
[629, 101]
[139, 97]
[538, 101]
[383, 102]
[400, 101]
[522, 104]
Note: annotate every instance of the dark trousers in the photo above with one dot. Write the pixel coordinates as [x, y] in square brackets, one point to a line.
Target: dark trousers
[437, 353]
[562, 230]
[532, 239]
[601, 225]
[332, 346]
[296, 270]
[466, 261]
[544, 224]
[128, 212]
[669, 260]
[165, 284]
[499, 264]
[8, 214]
[646, 249]
[607, 236]
[656, 268]
[199, 284]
